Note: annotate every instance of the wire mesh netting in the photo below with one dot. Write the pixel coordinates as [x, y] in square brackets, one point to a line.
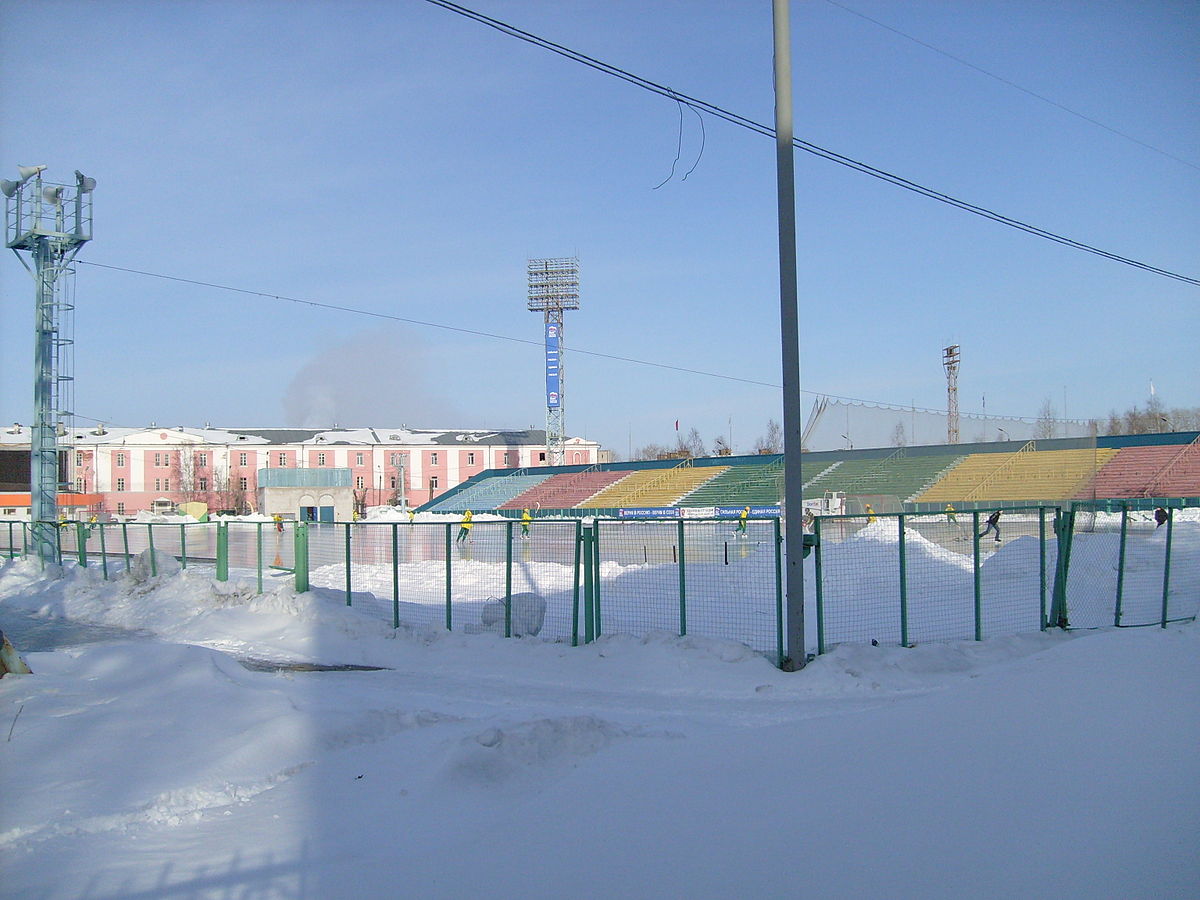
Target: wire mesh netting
[893, 578]
[937, 578]
[685, 576]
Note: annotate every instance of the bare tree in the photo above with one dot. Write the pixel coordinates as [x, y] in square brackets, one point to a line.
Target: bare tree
[721, 446]
[652, 451]
[692, 446]
[1046, 424]
[772, 441]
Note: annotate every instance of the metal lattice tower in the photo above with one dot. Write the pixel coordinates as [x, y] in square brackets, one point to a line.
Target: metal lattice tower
[950, 358]
[50, 222]
[554, 288]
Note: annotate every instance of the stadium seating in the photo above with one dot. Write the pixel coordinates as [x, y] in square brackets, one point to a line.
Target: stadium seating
[564, 491]
[488, 493]
[753, 484]
[1025, 475]
[897, 476]
[654, 487]
[1172, 470]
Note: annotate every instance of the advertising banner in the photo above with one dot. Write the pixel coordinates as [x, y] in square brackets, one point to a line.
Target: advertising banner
[553, 392]
[649, 512]
[756, 512]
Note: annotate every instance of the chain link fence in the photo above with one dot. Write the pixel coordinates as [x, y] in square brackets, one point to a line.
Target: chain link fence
[892, 578]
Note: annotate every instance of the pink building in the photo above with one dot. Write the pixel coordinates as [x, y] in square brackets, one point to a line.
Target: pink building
[156, 469]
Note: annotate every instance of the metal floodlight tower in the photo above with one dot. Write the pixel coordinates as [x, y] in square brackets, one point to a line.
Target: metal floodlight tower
[51, 222]
[553, 288]
[950, 357]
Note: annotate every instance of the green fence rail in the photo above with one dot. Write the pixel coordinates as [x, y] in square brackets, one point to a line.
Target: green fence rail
[899, 578]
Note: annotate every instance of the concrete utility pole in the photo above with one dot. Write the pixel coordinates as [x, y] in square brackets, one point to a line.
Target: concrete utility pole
[789, 321]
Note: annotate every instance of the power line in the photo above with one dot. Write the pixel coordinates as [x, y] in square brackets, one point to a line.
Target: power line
[1012, 84]
[807, 146]
[316, 304]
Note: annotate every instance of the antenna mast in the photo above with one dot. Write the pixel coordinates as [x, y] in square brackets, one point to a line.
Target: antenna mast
[950, 358]
[50, 222]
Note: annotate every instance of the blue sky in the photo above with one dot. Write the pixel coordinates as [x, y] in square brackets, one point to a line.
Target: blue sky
[397, 158]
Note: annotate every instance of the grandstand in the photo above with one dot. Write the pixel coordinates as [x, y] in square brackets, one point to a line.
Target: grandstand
[487, 492]
[899, 475]
[655, 487]
[565, 490]
[1028, 474]
[741, 485]
[916, 479]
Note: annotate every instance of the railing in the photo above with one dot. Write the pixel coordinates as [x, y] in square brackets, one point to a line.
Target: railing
[1161, 475]
[1008, 463]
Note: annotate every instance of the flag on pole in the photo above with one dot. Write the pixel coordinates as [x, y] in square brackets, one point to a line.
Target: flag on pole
[1151, 394]
[677, 421]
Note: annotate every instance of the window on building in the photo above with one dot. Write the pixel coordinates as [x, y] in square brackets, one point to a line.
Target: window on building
[202, 484]
[541, 457]
[433, 482]
[120, 460]
[79, 485]
[241, 459]
[395, 459]
[10, 510]
[202, 459]
[433, 459]
[282, 459]
[120, 484]
[393, 482]
[506, 459]
[78, 458]
[166, 484]
[470, 459]
[120, 509]
[157, 459]
[360, 482]
[358, 459]
[158, 484]
[243, 483]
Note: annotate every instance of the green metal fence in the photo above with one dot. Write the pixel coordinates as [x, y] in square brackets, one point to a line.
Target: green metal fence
[893, 578]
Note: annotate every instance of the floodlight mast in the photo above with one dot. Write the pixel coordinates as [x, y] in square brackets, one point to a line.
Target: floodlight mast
[553, 288]
[50, 222]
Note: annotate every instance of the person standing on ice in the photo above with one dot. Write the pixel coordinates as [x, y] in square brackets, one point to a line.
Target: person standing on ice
[870, 514]
[464, 528]
[950, 516]
[993, 524]
[411, 513]
[1160, 516]
[741, 528]
[526, 518]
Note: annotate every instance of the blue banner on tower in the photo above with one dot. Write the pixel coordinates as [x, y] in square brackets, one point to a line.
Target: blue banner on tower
[552, 366]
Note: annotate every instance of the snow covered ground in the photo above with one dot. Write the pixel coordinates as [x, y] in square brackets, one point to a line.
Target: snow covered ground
[149, 762]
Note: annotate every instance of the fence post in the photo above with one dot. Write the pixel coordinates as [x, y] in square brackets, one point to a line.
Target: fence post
[589, 598]
[575, 587]
[597, 621]
[81, 544]
[349, 602]
[448, 569]
[103, 553]
[682, 583]
[300, 554]
[1167, 566]
[819, 549]
[125, 541]
[1065, 530]
[508, 578]
[903, 585]
[150, 541]
[978, 582]
[395, 574]
[779, 653]
[1042, 567]
[258, 543]
[1121, 564]
[183, 545]
[222, 551]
